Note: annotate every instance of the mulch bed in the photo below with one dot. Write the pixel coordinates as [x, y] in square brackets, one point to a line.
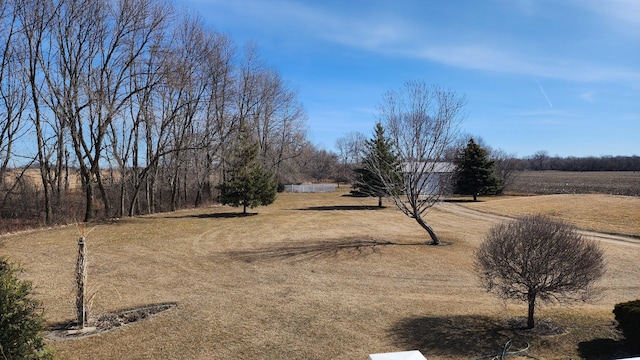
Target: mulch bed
[106, 321]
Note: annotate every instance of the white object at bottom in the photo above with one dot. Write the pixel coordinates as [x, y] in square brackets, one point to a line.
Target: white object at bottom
[402, 355]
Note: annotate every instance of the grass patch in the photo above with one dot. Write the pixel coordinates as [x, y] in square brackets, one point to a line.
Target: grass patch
[605, 213]
[313, 276]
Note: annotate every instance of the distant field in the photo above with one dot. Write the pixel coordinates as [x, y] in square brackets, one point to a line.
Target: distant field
[575, 182]
[301, 280]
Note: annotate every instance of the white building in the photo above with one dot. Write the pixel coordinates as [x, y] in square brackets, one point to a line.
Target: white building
[428, 177]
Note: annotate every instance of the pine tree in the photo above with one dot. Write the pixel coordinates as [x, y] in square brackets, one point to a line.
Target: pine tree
[475, 172]
[381, 172]
[248, 183]
[21, 322]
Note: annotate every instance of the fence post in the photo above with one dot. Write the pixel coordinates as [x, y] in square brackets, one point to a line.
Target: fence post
[81, 277]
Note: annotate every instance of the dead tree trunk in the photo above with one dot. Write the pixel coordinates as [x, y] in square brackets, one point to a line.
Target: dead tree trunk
[81, 278]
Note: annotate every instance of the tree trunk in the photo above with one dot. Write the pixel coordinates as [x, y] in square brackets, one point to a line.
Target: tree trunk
[475, 197]
[81, 278]
[532, 303]
[380, 201]
[103, 194]
[122, 200]
[88, 212]
[429, 229]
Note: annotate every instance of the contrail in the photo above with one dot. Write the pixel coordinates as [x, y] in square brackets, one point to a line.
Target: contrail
[543, 93]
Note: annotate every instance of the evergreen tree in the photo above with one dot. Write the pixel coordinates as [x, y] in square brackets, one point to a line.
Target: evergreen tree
[475, 172]
[381, 172]
[21, 323]
[247, 181]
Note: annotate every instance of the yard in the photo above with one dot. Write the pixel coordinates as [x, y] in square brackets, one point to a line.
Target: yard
[314, 276]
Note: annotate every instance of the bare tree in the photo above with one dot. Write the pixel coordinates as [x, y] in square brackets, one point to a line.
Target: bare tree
[35, 17]
[422, 122]
[217, 123]
[536, 257]
[289, 138]
[149, 126]
[505, 166]
[349, 148]
[279, 123]
[145, 104]
[13, 88]
[132, 92]
[316, 164]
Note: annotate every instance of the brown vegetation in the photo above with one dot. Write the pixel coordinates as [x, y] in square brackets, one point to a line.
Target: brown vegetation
[576, 182]
[538, 259]
[606, 213]
[313, 276]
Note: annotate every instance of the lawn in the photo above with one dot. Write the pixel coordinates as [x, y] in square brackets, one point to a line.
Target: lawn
[303, 279]
[612, 214]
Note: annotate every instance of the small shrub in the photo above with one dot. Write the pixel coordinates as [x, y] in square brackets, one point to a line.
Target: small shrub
[628, 318]
[21, 323]
[537, 258]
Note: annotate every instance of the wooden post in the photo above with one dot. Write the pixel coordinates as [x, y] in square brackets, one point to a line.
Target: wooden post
[81, 277]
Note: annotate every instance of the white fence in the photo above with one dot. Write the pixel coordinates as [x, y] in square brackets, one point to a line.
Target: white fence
[310, 188]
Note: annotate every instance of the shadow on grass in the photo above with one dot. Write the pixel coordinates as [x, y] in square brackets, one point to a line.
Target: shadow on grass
[214, 216]
[459, 336]
[343, 207]
[309, 250]
[603, 349]
[461, 201]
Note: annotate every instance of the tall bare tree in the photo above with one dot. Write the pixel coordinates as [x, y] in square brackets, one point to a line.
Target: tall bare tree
[35, 18]
[217, 122]
[142, 103]
[149, 128]
[139, 81]
[13, 89]
[422, 122]
[350, 148]
[277, 119]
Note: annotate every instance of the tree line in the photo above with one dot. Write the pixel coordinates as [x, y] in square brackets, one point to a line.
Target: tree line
[140, 102]
[350, 148]
[143, 106]
[542, 161]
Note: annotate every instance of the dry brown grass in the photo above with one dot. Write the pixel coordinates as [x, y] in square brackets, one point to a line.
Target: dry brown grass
[296, 282]
[606, 213]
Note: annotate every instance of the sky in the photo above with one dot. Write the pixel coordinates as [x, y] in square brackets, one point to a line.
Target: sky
[561, 76]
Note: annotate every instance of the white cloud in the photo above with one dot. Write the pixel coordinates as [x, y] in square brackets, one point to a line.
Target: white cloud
[488, 58]
[621, 15]
[364, 29]
[400, 37]
[627, 11]
[587, 96]
[385, 33]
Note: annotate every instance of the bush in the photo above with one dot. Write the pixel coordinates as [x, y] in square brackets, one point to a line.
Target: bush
[538, 258]
[628, 318]
[21, 322]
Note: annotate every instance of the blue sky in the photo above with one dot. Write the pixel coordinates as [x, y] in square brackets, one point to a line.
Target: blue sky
[556, 75]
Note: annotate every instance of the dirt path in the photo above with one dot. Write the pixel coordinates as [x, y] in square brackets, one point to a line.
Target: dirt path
[470, 213]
